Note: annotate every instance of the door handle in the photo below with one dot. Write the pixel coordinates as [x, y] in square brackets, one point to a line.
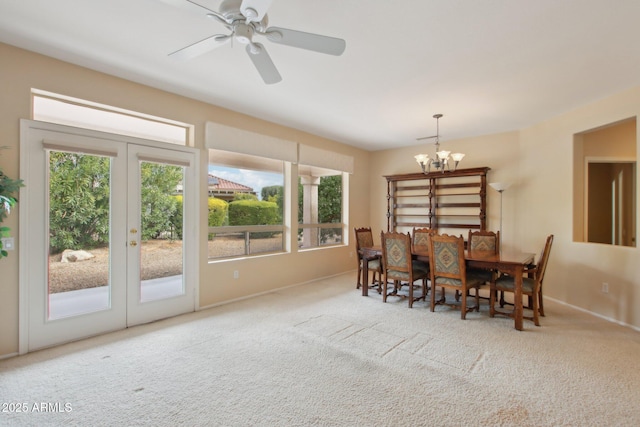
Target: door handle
[133, 243]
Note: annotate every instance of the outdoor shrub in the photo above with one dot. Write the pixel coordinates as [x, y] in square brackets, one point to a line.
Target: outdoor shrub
[177, 218]
[244, 196]
[79, 203]
[157, 205]
[274, 193]
[218, 210]
[254, 212]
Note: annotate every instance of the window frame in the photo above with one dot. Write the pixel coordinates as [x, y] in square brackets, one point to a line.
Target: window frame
[241, 141]
[342, 225]
[249, 162]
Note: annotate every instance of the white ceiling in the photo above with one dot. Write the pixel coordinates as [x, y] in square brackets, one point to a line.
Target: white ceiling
[488, 65]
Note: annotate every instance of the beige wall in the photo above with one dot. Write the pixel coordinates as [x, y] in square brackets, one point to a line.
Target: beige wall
[21, 71]
[576, 270]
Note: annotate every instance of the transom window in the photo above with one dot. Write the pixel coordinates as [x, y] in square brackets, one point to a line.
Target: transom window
[64, 110]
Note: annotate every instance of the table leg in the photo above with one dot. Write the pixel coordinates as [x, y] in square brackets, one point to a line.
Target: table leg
[365, 276]
[517, 296]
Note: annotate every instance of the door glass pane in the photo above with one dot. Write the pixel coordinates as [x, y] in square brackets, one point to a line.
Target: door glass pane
[79, 212]
[161, 219]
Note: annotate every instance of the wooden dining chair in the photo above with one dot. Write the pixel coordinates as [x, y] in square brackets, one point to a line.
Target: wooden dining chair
[398, 266]
[364, 239]
[420, 238]
[487, 241]
[484, 240]
[448, 270]
[531, 286]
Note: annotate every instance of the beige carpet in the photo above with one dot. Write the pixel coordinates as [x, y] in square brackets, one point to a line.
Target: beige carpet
[320, 354]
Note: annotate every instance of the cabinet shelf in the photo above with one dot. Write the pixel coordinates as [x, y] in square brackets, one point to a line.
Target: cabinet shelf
[458, 205]
[411, 205]
[442, 201]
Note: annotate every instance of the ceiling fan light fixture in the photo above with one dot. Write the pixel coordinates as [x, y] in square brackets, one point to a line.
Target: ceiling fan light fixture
[254, 48]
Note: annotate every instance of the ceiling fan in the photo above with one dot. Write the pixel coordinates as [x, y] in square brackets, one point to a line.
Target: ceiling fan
[244, 19]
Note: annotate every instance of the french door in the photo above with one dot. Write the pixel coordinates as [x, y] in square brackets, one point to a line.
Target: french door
[107, 231]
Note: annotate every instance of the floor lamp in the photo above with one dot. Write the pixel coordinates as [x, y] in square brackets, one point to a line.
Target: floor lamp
[500, 187]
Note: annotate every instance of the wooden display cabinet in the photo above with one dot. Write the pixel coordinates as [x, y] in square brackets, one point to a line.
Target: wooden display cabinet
[449, 202]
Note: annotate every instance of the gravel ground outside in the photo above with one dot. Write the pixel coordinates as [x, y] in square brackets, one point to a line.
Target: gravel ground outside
[160, 258]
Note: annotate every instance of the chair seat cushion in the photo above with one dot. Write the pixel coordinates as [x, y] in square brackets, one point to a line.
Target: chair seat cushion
[374, 264]
[508, 284]
[420, 266]
[473, 280]
[420, 270]
[480, 273]
[448, 281]
[479, 276]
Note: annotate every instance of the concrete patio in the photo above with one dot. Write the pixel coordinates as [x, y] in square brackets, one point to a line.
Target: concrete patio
[73, 303]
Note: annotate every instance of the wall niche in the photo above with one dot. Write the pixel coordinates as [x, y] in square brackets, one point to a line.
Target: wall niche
[605, 184]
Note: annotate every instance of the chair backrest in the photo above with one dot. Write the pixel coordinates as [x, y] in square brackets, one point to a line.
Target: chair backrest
[420, 238]
[544, 258]
[396, 251]
[483, 240]
[446, 257]
[364, 237]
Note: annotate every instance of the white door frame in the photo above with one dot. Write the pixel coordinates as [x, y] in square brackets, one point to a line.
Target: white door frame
[32, 222]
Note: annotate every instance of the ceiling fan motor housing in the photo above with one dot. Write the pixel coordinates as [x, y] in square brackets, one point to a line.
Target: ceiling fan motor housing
[230, 9]
[243, 33]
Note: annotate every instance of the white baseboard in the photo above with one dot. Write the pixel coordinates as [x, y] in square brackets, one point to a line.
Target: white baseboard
[218, 304]
[8, 356]
[610, 319]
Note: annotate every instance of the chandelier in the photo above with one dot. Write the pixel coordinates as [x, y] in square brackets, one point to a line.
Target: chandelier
[442, 159]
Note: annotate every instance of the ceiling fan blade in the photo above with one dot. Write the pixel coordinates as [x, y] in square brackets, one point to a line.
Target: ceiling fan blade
[263, 63]
[198, 9]
[314, 42]
[258, 6]
[201, 47]
[189, 6]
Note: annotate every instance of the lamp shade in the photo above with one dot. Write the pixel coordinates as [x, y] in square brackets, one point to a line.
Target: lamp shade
[443, 155]
[500, 186]
[421, 158]
[457, 156]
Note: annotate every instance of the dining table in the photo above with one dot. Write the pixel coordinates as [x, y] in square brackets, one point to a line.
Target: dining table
[510, 262]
